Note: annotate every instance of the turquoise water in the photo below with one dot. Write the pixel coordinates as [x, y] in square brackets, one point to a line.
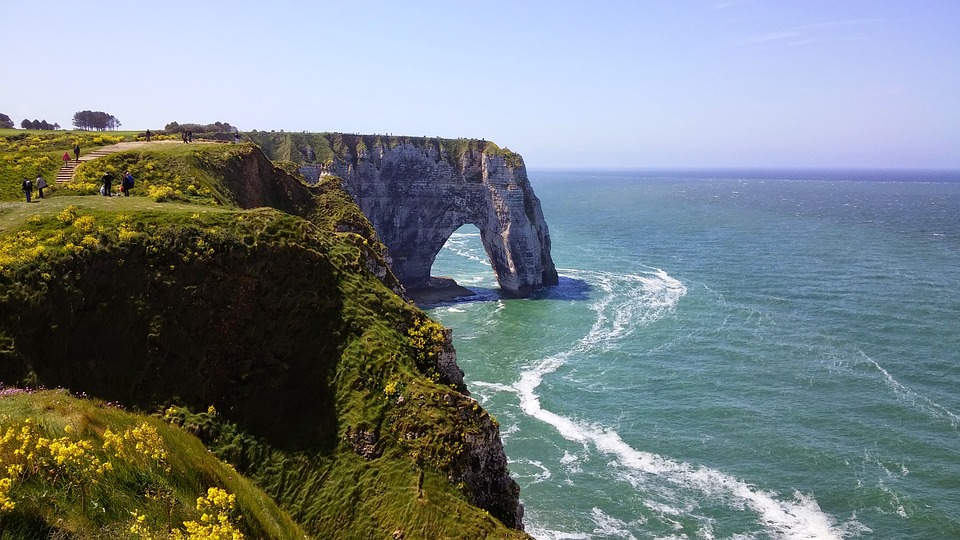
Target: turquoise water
[728, 355]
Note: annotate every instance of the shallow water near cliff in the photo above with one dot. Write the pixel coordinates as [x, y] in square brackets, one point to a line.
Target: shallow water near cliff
[728, 355]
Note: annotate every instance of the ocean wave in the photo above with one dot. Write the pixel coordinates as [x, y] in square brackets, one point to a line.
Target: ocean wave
[611, 526]
[630, 302]
[530, 470]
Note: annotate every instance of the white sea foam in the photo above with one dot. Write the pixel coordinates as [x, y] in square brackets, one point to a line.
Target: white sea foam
[571, 462]
[543, 475]
[631, 302]
[611, 526]
[914, 399]
[496, 387]
[548, 534]
[462, 248]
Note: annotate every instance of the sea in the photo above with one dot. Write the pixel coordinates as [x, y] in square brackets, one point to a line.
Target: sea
[728, 355]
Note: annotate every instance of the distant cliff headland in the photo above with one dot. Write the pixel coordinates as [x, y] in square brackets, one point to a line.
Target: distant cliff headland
[261, 315]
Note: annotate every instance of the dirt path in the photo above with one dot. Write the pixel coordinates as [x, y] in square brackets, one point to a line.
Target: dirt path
[65, 173]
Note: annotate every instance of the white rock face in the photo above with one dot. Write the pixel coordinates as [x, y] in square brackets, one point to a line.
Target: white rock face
[417, 196]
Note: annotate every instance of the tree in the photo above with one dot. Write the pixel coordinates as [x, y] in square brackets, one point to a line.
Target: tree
[37, 124]
[5, 121]
[216, 127]
[98, 120]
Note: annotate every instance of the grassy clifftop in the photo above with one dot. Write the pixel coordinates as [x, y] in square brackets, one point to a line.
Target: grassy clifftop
[324, 148]
[247, 293]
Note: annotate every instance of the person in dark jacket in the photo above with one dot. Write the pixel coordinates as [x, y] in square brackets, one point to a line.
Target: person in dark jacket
[27, 188]
[107, 185]
[127, 184]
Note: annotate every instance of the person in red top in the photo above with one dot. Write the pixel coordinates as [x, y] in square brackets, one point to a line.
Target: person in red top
[66, 158]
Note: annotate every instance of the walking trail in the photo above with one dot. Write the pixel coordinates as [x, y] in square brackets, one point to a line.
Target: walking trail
[65, 173]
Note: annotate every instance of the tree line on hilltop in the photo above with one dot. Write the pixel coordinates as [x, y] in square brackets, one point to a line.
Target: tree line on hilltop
[216, 127]
[85, 120]
[99, 120]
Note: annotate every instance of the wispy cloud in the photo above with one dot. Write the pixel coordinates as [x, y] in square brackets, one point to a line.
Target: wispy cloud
[806, 34]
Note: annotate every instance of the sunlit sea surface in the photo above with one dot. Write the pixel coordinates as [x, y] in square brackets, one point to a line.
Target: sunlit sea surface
[728, 355]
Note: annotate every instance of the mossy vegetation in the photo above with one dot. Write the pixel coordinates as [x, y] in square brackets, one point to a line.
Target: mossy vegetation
[267, 329]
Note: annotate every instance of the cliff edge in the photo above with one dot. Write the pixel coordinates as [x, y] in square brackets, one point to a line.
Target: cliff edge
[340, 399]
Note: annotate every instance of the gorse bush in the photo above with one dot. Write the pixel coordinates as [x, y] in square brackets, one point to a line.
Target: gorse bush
[72, 464]
[96, 472]
[216, 521]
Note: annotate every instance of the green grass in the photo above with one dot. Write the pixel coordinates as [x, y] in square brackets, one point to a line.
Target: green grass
[276, 319]
[27, 153]
[60, 499]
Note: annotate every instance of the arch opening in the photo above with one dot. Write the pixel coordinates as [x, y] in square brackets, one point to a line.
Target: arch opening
[464, 258]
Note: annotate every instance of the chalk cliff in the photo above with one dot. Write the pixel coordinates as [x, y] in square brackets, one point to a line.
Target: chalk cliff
[417, 192]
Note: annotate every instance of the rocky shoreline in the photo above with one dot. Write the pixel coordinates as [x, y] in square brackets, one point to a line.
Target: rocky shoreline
[440, 289]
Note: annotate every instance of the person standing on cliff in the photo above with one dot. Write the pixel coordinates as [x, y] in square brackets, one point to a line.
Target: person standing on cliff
[148, 135]
[127, 184]
[27, 188]
[41, 183]
[107, 189]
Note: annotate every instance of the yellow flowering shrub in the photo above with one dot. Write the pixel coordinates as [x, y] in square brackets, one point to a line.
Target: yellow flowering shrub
[426, 338]
[162, 193]
[215, 509]
[27, 454]
[136, 445]
[68, 214]
[19, 247]
[6, 503]
[126, 234]
[85, 223]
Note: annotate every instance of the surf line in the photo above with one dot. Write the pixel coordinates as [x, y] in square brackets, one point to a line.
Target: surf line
[800, 518]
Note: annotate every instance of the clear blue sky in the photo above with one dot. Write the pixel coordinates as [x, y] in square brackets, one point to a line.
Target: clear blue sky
[671, 83]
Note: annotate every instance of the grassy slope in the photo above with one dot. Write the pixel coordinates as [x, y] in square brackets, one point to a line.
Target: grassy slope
[157, 274]
[44, 499]
[27, 153]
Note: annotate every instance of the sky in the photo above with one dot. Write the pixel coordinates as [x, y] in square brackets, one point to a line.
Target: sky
[618, 83]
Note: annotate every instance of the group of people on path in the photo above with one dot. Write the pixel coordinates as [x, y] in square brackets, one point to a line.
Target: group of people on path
[28, 186]
[126, 184]
[106, 187]
[76, 155]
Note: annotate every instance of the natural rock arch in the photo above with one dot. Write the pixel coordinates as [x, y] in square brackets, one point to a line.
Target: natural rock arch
[416, 196]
